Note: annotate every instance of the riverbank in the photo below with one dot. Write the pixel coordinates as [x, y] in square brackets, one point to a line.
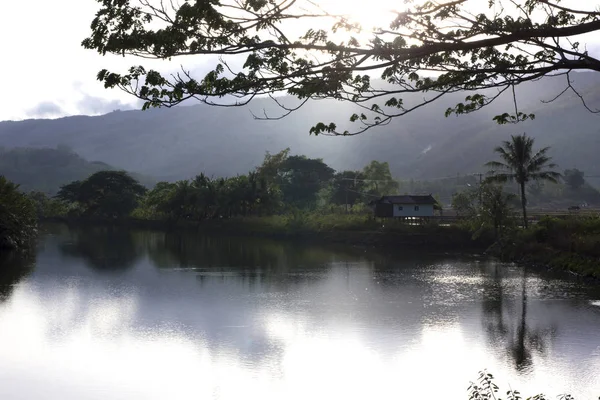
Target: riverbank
[570, 245]
[353, 230]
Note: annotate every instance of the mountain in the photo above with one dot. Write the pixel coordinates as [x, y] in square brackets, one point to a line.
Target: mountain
[46, 169]
[183, 141]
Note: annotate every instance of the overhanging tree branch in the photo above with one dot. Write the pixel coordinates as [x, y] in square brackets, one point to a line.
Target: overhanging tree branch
[435, 48]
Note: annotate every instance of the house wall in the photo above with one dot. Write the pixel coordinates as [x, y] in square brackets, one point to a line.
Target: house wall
[408, 210]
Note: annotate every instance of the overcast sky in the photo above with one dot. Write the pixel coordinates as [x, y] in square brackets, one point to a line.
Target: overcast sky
[45, 71]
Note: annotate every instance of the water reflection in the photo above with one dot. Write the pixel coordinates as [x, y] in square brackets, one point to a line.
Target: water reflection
[507, 324]
[13, 268]
[188, 316]
[103, 248]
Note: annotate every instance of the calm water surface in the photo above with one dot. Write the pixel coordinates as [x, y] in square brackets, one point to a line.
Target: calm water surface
[137, 315]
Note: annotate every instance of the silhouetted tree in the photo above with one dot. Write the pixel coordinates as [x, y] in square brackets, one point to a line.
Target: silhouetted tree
[301, 178]
[348, 187]
[379, 179]
[105, 194]
[522, 165]
[574, 178]
[18, 220]
[487, 206]
[496, 207]
[432, 48]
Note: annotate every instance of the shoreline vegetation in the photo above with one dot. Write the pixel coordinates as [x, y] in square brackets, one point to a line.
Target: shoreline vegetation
[572, 244]
[304, 199]
[353, 230]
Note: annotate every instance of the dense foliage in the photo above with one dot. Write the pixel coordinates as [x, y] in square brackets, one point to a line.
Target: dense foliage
[105, 194]
[46, 206]
[282, 183]
[18, 219]
[311, 52]
[487, 207]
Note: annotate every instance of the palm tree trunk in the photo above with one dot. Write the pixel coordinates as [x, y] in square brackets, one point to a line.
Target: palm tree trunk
[524, 204]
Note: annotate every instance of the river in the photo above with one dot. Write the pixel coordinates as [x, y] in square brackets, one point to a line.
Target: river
[113, 314]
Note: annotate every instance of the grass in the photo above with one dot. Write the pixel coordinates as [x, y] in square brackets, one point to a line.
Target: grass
[571, 244]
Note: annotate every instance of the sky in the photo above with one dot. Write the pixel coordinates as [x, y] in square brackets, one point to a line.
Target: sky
[44, 68]
[47, 74]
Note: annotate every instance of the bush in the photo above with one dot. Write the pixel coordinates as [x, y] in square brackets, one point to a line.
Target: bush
[18, 219]
[575, 234]
[48, 207]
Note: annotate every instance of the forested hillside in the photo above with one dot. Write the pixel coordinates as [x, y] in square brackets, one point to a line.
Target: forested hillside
[46, 169]
[179, 143]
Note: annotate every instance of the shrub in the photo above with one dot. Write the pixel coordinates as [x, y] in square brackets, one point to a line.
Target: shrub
[18, 219]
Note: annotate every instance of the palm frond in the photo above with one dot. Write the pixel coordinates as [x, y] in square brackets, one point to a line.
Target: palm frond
[497, 165]
[499, 178]
[551, 176]
[505, 154]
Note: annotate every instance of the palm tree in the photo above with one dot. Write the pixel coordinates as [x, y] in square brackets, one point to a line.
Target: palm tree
[521, 165]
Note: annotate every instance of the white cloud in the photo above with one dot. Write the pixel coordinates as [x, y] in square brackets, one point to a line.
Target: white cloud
[97, 105]
[45, 109]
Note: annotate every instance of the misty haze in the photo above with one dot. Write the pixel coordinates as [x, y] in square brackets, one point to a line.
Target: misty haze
[296, 199]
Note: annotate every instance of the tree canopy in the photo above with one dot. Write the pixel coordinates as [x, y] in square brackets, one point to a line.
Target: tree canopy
[379, 179]
[104, 194]
[300, 48]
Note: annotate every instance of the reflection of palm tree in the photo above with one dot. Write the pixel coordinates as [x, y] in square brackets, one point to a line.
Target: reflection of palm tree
[521, 354]
[521, 341]
[521, 165]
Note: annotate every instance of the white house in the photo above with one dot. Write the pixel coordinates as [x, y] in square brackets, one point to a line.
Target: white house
[405, 206]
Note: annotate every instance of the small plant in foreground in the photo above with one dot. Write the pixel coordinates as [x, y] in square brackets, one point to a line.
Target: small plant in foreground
[486, 389]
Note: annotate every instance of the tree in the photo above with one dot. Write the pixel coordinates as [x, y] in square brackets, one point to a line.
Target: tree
[379, 179]
[107, 194]
[272, 165]
[71, 192]
[521, 165]
[487, 206]
[348, 187]
[574, 178]
[464, 203]
[431, 47]
[301, 178]
[496, 207]
[18, 220]
[47, 206]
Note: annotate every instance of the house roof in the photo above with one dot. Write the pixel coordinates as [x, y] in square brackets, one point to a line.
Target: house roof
[408, 199]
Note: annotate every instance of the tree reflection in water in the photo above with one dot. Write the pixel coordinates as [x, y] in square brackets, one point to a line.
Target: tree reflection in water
[506, 321]
[14, 267]
[252, 260]
[104, 249]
